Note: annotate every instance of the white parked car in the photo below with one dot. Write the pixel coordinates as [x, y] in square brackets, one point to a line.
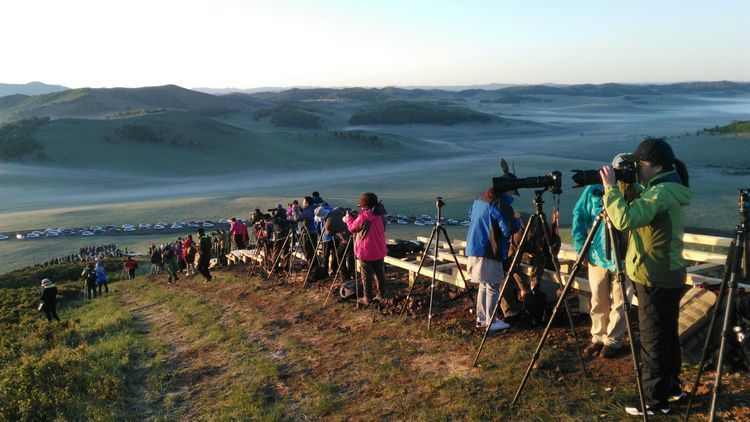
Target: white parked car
[176, 226]
[179, 223]
[159, 227]
[32, 236]
[193, 224]
[144, 226]
[129, 229]
[208, 224]
[87, 233]
[161, 223]
[19, 236]
[125, 226]
[3, 237]
[52, 234]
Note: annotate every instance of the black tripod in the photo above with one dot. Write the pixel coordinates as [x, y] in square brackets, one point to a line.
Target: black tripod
[613, 252]
[537, 218]
[436, 231]
[738, 260]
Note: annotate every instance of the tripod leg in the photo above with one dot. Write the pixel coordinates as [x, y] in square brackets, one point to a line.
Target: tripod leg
[626, 306]
[310, 264]
[434, 273]
[726, 330]
[712, 325]
[338, 271]
[356, 283]
[511, 270]
[416, 276]
[543, 221]
[573, 273]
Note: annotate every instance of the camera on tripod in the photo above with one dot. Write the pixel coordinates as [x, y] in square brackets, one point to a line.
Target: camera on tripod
[627, 173]
[551, 182]
[744, 202]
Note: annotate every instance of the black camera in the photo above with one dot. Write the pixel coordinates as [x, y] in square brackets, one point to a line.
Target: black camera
[744, 202]
[627, 173]
[551, 182]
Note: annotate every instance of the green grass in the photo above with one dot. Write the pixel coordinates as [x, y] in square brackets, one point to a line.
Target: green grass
[87, 366]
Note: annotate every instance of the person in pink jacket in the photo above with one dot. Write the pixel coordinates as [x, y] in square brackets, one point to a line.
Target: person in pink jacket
[369, 244]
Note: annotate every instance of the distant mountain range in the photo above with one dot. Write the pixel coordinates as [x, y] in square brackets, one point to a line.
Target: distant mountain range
[96, 103]
[31, 88]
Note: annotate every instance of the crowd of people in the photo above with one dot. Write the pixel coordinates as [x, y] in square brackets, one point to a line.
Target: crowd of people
[188, 255]
[86, 254]
[649, 216]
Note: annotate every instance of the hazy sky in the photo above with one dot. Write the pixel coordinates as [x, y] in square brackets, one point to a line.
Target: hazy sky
[249, 44]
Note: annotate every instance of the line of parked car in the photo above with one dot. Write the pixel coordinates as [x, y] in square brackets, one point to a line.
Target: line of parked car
[125, 228]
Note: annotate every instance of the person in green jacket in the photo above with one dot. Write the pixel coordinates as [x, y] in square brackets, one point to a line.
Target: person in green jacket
[170, 261]
[654, 222]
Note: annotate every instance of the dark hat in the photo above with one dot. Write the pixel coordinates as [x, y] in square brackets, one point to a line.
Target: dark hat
[653, 150]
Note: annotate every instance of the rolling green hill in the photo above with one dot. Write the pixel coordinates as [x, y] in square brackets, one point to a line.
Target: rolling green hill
[183, 142]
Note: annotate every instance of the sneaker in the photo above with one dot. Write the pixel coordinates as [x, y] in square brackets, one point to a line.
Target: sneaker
[499, 325]
[677, 396]
[480, 324]
[609, 352]
[593, 349]
[650, 410]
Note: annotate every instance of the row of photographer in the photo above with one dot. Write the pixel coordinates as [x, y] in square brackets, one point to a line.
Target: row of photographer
[341, 233]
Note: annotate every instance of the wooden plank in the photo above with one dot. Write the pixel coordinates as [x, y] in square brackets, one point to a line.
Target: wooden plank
[427, 272]
[701, 239]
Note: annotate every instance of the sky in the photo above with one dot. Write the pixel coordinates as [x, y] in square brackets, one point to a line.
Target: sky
[282, 43]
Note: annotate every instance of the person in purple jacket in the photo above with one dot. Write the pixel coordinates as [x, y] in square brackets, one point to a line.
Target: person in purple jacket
[369, 245]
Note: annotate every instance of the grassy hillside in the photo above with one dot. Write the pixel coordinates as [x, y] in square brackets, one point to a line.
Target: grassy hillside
[187, 143]
[246, 348]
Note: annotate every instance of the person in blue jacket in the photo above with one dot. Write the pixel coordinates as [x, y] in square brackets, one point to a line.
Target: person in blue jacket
[607, 309]
[487, 244]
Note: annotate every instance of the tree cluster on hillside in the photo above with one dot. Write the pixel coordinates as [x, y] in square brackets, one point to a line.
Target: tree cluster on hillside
[286, 115]
[17, 140]
[737, 127]
[160, 135]
[358, 136]
[409, 112]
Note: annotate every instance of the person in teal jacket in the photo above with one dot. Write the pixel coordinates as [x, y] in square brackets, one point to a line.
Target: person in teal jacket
[607, 310]
[655, 224]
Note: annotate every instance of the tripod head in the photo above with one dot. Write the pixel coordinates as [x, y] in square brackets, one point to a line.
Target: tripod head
[439, 205]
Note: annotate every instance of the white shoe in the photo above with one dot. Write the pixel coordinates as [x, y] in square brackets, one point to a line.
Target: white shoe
[634, 411]
[499, 325]
[480, 324]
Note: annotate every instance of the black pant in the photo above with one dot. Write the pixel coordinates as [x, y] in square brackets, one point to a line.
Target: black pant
[106, 287]
[373, 284]
[91, 290]
[50, 311]
[348, 266]
[239, 241]
[658, 312]
[330, 259]
[202, 267]
[131, 274]
[309, 242]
